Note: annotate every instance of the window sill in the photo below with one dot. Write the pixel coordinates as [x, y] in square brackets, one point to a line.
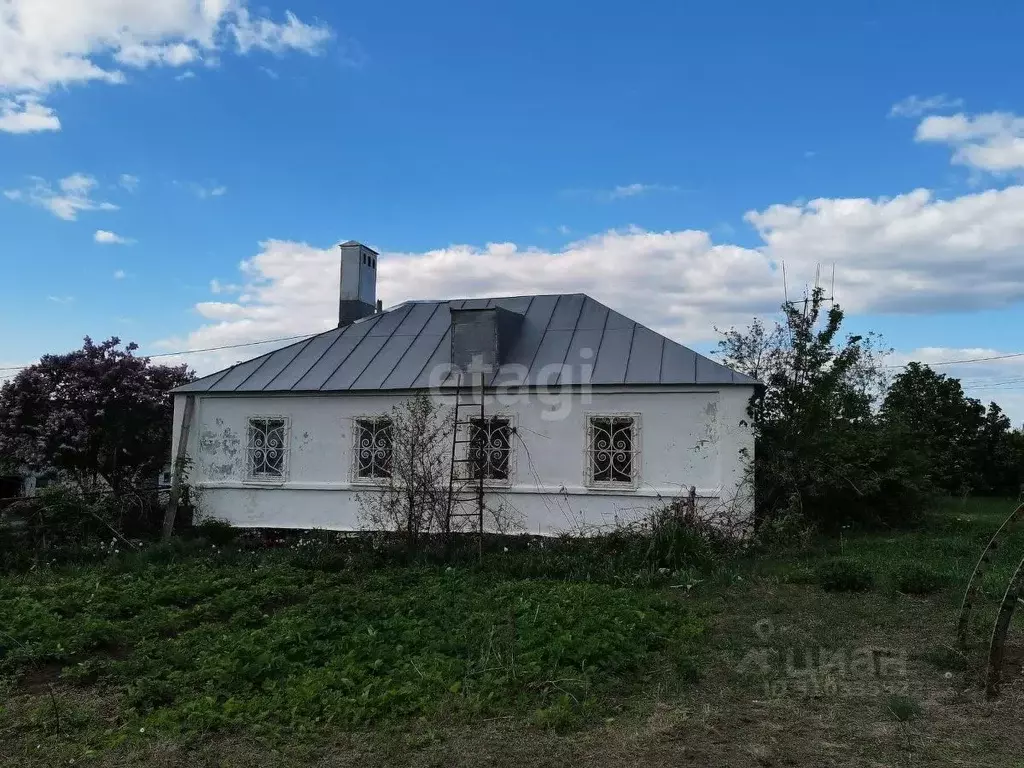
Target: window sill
[370, 482]
[268, 482]
[472, 482]
[611, 487]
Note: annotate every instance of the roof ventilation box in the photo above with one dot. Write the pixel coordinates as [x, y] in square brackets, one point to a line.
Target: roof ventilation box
[482, 338]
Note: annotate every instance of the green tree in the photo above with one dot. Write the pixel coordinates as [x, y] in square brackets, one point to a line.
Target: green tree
[99, 413]
[946, 423]
[999, 455]
[821, 452]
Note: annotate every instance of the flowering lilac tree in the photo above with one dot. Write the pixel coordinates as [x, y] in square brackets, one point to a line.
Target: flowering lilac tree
[100, 415]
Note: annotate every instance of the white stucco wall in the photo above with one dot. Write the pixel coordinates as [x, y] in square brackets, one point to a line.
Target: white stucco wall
[689, 436]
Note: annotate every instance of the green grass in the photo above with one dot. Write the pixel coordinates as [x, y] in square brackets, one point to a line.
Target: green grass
[903, 708]
[292, 655]
[942, 552]
[842, 574]
[198, 646]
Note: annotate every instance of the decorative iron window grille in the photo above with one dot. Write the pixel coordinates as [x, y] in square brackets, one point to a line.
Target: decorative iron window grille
[374, 448]
[613, 450]
[490, 448]
[267, 448]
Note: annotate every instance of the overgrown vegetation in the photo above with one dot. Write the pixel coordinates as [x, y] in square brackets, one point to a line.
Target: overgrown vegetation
[250, 639]
[845, 575]
[413, 498]
[838, 443]
[291, 640]
[98, 415]
[970, 449]
[916, 578]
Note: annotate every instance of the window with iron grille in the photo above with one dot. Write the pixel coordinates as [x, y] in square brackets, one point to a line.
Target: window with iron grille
[490, 448]
[613, 450]
[374, 450]
[267, 448]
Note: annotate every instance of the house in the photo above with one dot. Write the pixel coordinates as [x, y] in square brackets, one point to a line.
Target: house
[590, 418]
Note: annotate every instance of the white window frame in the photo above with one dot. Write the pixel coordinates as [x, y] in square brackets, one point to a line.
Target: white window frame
[251, 476]
[354, 468]
[589, 451]
[512, 432]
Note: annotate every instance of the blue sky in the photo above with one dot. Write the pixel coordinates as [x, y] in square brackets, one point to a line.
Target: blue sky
[634, 151]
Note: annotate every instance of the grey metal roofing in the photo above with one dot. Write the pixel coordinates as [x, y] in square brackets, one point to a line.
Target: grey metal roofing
[564, 339]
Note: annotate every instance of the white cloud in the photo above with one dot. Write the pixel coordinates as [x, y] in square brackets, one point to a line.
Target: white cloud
[128, 182]
[61, 299]
[291, 288]
[993, 141]
[911, 253]
[915, 106]
[24, 114]
[119, 274]
[217, 287]
[622, 191]
[277, 38]
[188, 74]
[72, 195]
[204, 191]
[46, 44]
[629, 190]
[144, 55]
[106, 237]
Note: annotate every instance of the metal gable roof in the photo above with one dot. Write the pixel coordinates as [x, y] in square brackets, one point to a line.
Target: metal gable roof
[564, 339]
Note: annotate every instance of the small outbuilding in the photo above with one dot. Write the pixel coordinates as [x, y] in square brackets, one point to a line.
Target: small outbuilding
[576, 416]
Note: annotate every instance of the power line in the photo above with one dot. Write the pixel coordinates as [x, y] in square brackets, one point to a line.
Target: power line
[959, 362]
[205, 349]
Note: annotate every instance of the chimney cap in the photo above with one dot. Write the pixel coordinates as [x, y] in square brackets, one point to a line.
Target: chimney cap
[361, 245]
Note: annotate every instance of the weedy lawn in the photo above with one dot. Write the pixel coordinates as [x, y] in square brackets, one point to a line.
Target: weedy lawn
[839, 655]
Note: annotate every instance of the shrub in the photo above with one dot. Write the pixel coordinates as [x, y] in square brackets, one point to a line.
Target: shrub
[916, 578]
[217, 532]
[786, 532]
[167, 552]
[845, 575]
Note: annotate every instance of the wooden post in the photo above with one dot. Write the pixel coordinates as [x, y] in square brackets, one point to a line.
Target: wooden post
[179, 465]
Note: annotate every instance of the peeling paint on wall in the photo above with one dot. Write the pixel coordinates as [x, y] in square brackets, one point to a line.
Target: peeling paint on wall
[220, 452]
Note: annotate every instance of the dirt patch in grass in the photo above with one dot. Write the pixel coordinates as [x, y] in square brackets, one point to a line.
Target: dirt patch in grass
[38, 679]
